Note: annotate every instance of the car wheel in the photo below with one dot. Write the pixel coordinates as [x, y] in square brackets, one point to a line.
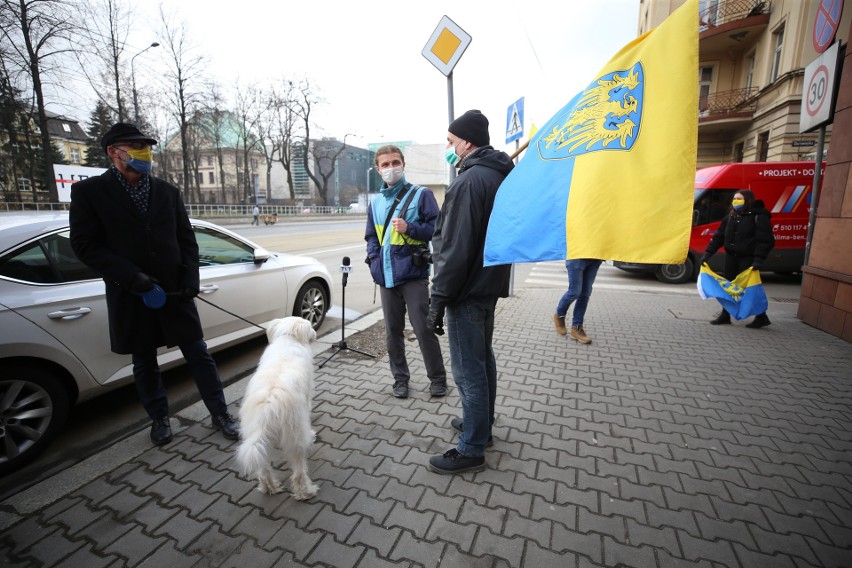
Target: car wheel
[675, 273]
[312, 303]
[33, 408]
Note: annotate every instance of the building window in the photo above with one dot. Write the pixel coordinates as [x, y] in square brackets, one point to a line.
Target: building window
[209, 160]
[762, 146]
[66, 127]
[705, 79]
[200, 178]
[211, 178]
[778, 42]
[253, 165]
[749, 73]
[738, 152]
[24, 184]
[75, 156]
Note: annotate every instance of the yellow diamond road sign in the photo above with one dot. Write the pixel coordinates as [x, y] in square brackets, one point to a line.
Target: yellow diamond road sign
[446, 46]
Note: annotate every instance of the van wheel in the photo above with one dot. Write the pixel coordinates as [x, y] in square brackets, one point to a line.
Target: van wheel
[33, 409]
[675, 273]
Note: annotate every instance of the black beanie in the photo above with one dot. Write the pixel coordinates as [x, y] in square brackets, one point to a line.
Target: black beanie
[473, 127]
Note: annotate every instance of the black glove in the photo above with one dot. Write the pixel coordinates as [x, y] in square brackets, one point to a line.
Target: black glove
[756, 263]
[142, 283]
[188, 293]
[367, 260]
[435, 320]
[704, 258]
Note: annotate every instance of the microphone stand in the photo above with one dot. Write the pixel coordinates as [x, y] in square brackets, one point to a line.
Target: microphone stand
[341, 345]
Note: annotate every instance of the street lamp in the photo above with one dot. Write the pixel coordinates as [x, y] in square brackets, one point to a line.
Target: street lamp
[133, 78]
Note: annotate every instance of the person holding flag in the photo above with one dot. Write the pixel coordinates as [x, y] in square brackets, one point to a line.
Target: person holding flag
[746, 233]
[466, 290]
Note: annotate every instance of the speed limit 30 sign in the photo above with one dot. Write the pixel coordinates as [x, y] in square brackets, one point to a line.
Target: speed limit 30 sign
[818, 94]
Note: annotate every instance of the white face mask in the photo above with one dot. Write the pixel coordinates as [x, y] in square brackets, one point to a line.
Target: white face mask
[392, 175]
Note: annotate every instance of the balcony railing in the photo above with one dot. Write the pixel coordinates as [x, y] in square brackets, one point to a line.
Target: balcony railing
[728, 102]
[729, 11]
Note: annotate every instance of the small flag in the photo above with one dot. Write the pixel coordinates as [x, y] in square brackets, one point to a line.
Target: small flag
[742, 298]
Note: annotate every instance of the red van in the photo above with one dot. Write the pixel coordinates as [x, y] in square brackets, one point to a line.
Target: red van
[784, 188]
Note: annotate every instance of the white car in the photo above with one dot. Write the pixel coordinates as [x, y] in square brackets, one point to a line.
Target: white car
[54, 336]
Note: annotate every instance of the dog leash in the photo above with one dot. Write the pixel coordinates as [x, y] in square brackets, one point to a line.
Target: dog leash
[155, 298]
[231, 313]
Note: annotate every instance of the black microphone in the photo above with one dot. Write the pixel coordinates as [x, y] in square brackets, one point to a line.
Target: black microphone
[345, 269]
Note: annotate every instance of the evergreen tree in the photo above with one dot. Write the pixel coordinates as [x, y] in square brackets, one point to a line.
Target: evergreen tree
[100, 120]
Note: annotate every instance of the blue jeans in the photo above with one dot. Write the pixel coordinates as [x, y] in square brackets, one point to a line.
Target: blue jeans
[581, 276]
[470, 329]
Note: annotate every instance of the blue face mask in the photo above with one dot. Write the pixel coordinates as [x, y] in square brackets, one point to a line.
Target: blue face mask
[451, 156]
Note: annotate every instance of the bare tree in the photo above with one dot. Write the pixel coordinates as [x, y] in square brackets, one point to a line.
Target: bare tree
[285, 128]
[324, 152]
[248, 101]
[37, 32]
[215, 127]
[102, 37]
[183, 91]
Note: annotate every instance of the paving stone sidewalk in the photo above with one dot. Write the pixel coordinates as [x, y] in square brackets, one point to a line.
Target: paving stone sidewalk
[666, 442]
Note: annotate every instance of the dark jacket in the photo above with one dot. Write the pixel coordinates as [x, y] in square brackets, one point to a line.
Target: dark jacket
[110, 234]
[745, 233]
[459, 240]
[390, 261]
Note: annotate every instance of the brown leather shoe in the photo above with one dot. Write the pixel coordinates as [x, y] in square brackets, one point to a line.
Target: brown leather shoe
[559, 324]
[579, 334]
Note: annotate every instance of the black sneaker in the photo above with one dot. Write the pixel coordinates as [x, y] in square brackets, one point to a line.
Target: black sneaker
[761, 320]
[722, 319]
[161, 432]
[400, 389]
[438, 389]
[228, 425]
[456, 423]
[452, 461]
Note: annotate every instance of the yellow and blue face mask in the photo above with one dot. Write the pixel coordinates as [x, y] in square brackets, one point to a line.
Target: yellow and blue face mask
[737, 204]
[141, 160]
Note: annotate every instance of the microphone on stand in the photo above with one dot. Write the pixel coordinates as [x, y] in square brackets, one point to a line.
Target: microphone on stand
[345, 269]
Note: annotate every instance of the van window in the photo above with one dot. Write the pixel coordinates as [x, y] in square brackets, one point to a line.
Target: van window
[712, 205]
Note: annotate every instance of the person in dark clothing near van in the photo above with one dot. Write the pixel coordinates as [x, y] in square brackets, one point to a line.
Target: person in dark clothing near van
[746, 233]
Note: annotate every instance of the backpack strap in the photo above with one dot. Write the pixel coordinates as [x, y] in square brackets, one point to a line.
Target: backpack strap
[405, 189]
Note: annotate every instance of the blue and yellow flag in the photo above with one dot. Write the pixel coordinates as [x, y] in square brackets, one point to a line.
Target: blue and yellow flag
[611, 175]
[743, 297]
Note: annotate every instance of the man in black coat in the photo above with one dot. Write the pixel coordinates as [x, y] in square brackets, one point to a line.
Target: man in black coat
[133, 229]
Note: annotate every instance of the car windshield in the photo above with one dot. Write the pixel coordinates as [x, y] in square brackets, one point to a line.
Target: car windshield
[712, 205]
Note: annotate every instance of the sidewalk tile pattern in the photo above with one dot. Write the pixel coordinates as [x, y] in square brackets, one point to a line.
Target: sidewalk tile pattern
[666, 442]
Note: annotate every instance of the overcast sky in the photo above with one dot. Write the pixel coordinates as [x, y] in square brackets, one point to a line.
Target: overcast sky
[365, 56]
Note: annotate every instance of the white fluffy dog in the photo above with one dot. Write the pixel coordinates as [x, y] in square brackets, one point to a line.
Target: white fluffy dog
[276, 409]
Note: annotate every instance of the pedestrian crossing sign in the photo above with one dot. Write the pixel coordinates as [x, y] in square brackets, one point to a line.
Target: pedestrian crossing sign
[446, 46]
[515, 121]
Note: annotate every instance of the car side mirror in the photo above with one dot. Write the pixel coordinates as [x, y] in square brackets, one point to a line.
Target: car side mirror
[261, 255]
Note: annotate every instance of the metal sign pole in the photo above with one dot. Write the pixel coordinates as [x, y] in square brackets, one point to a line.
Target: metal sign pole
[452, 114]
[815, 192]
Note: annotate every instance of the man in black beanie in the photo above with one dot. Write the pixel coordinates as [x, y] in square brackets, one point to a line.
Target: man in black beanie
[466, 290]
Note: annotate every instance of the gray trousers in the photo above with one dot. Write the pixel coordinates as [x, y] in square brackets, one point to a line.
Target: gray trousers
[415, 295]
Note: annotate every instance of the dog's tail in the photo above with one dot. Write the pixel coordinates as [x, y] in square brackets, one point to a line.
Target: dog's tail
[252, 456]
[255, 429]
